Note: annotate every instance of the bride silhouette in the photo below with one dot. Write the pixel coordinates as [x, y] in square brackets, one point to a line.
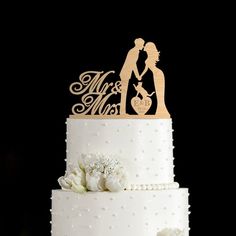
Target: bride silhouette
[158, 77]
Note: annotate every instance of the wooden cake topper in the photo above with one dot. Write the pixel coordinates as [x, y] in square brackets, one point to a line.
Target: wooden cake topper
[100, 97]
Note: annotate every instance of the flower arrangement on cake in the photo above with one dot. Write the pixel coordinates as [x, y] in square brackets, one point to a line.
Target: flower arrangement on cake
[95, 172]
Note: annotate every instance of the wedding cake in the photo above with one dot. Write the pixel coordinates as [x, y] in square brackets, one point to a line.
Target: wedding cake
[119, 176]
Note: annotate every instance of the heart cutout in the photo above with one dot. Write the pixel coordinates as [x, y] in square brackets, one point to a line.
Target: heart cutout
[141, 106]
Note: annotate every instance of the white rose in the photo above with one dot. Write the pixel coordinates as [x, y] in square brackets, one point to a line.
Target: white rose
[79, 174]
[95, 182]
[116, 182]
[73, 180]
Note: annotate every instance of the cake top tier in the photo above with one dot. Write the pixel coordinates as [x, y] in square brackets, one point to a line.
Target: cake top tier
[136, 91]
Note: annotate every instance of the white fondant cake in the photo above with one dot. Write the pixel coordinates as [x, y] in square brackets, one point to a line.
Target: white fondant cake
[144, 145]
[152, 203]
[125, 213]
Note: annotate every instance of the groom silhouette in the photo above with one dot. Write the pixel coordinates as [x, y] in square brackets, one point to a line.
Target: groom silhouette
[129, 66]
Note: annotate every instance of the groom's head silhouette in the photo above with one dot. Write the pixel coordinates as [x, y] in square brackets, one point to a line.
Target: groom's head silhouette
[139, 43]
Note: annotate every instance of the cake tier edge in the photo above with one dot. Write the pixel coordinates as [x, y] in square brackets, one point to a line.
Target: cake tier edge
[121, 213]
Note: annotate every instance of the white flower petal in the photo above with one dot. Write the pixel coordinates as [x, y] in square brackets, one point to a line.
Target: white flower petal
[92, 183]
[78, 188]
[116, 183]
[68, 179]
[83, 179]
[76, 180]
[102, 184]
[63, 183]
[113, 185]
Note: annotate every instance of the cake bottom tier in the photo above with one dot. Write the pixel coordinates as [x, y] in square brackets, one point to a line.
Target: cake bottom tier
[138, 213]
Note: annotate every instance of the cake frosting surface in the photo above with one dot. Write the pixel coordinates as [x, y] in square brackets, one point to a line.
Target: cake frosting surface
[144, 145]
[125, 213]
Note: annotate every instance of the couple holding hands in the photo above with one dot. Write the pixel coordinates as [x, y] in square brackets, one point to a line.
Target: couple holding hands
[130, 65]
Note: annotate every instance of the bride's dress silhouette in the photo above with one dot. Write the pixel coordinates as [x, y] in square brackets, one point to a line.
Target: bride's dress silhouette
[158, 77]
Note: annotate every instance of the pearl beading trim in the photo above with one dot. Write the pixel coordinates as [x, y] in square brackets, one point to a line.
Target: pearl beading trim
[173, 185]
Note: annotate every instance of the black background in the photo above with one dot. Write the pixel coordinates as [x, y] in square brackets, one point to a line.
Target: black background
[46, 50]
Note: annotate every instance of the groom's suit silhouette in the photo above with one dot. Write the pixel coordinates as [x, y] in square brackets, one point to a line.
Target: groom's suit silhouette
[129, 66]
